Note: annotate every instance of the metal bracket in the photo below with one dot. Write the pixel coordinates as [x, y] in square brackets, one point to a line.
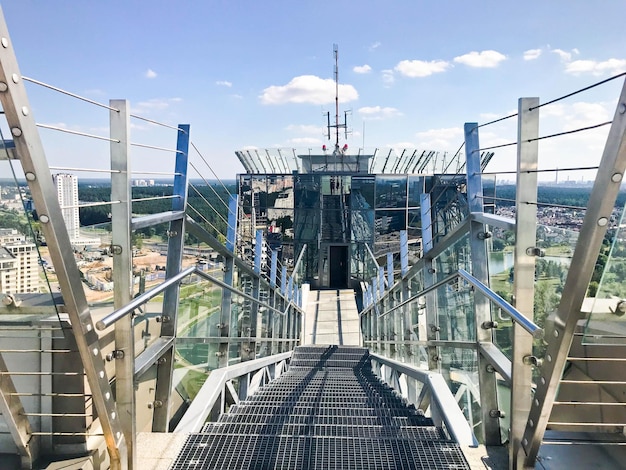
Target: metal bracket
[497, 413]
[115, 354]
[535, 251]
[489, 325]
[620, 308]
[532, 361]
[484, 235]
[116, 249]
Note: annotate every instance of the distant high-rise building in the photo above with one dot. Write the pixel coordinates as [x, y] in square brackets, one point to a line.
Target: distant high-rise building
[67, 193]
[19, 263]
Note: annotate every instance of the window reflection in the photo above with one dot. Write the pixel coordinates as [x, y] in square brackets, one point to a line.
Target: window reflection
[391, 191]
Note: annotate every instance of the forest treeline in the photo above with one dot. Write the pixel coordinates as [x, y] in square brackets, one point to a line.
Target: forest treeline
[199, 197]
[558, 195]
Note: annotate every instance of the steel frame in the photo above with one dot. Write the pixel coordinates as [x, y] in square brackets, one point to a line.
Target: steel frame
[601, 202]
[32, 157]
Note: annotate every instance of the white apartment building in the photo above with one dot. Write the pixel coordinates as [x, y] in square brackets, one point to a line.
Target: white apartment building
[67, 193]
[19, 263]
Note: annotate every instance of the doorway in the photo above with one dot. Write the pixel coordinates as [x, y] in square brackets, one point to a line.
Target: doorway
[339, 266]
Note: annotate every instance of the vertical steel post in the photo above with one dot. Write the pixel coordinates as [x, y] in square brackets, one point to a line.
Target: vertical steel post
[165, 368]
[28, 144]
[123, 271]
[482, 311]
[601, 203]
[404, 253]
[524, 270]
[432, 320]
[225, 325]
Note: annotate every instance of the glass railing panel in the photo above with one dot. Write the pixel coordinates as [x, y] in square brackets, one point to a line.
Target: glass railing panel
[455, 311]
[459, 367]
[606, 323]
[500, 254]
[453, 258]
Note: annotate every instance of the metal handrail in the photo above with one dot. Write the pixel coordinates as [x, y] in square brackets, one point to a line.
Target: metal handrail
[506, 307]
[441, 396]
[142, 299]
[145, 297]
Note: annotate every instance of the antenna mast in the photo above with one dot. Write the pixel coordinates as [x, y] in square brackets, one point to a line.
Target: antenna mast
[337, 125]
[336, 51]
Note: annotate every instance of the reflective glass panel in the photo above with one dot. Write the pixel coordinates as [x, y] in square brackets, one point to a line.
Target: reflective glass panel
[390, 191]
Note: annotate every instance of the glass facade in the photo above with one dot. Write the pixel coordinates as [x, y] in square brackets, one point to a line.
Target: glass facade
[351, 217]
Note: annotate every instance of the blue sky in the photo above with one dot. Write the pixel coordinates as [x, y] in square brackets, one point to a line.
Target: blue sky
[259, 73]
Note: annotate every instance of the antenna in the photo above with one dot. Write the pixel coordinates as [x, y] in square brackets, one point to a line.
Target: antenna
[337, 125]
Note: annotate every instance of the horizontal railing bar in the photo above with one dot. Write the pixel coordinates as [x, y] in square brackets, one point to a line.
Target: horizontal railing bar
[563, 423]
[65, 92]
[39, 373]
[154, 198]
[162, 173]
[82, 134]
[603, 359]
[588, 403]
[507, 308]
[91, 204]
[142, 299]
[153, 147]
[152, 353]
[155, 219]
[422, 293]
[64, 351]
[447, 406]
[201, 406]
[569, 442]
[235, 291]
[90, 170]
[59, 415]
[505, 223]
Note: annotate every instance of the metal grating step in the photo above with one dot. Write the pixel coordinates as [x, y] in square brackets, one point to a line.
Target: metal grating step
[328, 411]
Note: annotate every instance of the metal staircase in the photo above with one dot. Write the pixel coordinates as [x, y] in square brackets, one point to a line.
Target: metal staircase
[328, 411]
[590, 405]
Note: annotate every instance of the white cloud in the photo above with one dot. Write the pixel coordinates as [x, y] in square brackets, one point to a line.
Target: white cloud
[402, 145]
[564, 55]
[155, 104]
[532, 54]
[388, 77]
[421, 68]
[305, 129]
[378, 112]
[441, 139]
[224, 83]
[362, 69]
[150, 73]
[237, 96]
[308, 89]
[376, 45]
[483, 59]
[305, 141]
[612, 66]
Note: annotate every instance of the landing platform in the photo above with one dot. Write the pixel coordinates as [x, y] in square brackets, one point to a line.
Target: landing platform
[332, 317]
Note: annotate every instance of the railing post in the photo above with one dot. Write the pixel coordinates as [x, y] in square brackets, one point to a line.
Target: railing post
[524, 271]
[432, 320]
[165, 368]
[482, 312]
[28, 145]
[121, 249]
[225, 326]
[601, 203]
